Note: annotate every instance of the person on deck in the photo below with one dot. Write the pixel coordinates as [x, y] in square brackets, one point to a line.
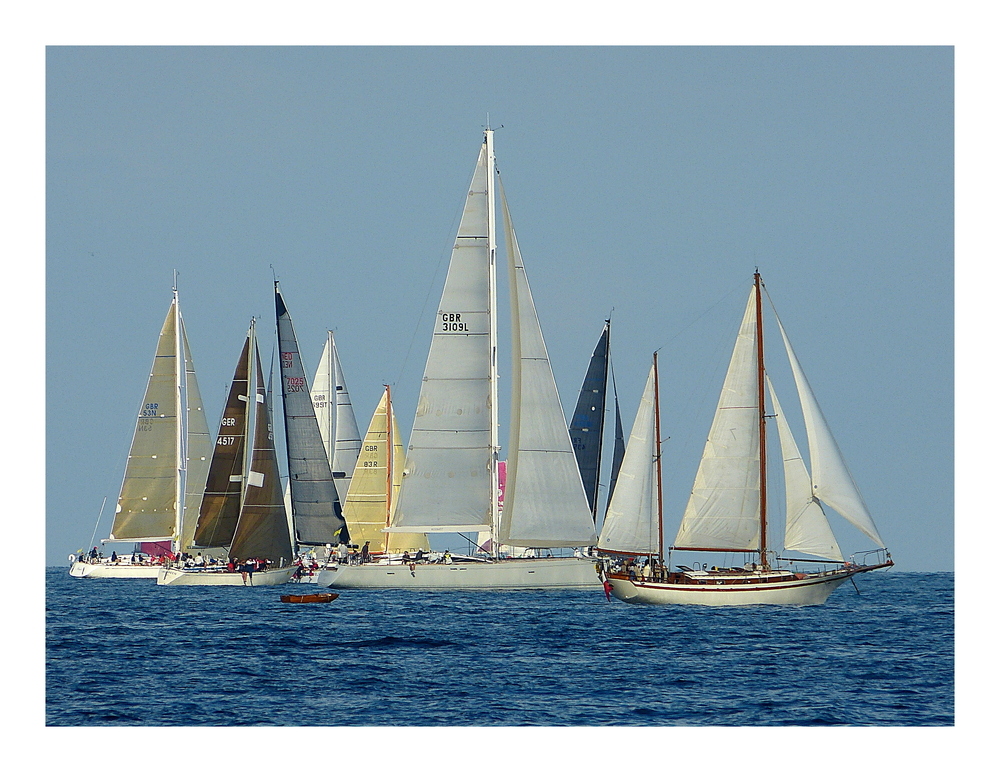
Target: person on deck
[364, 552]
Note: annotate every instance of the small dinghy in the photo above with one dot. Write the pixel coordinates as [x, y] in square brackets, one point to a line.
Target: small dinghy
[316, 597]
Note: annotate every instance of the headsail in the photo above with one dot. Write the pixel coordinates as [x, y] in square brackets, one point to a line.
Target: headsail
[220, 507]
[544, 501]
[631, 525]
[586, 430]
[148, 503]
[335, 415]
[316, 509]
[198, 449]
[447, 481]
[723, 511]
[262, 529]
[806, 527]
[831, 480]
[619, 452]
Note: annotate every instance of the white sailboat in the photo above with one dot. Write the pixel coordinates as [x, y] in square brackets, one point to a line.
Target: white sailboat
[727, 512]
[167, 463]
[335, 415]
[242, 510]
[450, 479]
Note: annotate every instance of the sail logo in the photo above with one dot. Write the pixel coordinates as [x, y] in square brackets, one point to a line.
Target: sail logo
[453, 323]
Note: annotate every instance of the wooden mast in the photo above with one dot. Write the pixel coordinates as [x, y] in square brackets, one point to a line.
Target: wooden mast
[657, 456]
[762, 424]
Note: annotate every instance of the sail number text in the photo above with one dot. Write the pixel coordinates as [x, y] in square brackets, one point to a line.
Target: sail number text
[453, 323]
[287, 357]
[295, 383]
[149, 409]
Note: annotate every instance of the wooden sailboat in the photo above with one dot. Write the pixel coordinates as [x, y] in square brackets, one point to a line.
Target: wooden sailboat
[450, 480]
[727, 512]
[242, 509]
[167, 463]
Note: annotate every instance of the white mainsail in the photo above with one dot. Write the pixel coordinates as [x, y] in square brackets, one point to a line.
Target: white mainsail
[630, 525]
[148, 503]
[832, 482]
[806, 527]
[335, 415]
[447, 480]
[545, 504]
[723, 511]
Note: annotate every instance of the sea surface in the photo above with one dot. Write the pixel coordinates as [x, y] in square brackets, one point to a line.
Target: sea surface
[129, 653]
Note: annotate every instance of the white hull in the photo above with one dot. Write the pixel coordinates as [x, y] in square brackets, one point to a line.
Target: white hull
[513, 574]
[811, 590]
[268, 578]
[82, 570]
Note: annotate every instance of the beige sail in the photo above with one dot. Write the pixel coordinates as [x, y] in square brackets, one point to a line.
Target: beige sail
[147, 505]
[198, 450]
[372, 495]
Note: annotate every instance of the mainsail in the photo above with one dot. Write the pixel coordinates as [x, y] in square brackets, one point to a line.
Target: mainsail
[630, 525]
[544, 502]
[723, 511]
[220, 506]
[447, 481]
[316, 510]
[335, 415]
[586, 430]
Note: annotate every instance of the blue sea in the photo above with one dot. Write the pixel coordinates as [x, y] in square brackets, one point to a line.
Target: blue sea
[130, 653]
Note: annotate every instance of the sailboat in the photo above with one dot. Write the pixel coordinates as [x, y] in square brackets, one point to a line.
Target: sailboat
[586, 430]
[167, 463]
[374, 491]
[450, 479]
[242, 509]
[727, 511]
[335, 415]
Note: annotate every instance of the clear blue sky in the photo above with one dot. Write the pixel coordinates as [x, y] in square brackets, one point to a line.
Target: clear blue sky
[648, 180]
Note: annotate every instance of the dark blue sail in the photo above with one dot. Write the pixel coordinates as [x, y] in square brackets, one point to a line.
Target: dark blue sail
[587, 426]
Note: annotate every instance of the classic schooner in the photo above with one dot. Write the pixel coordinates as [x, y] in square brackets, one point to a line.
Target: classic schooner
[167, 462]
[243, 510]
[727, 511]
[450, 479]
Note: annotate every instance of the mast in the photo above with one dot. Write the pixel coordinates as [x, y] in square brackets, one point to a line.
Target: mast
[762, 431]
[179, 375]
[388, 460]
[491, 241]
[658, 456]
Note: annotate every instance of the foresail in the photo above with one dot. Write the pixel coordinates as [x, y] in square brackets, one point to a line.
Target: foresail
[147, 504]
[832, 482]
[619, 451]
[198, 450]
[220, 506]
[316, 509]
[586, 430]
[447, 478]
[806, 527]
[262, 530]
[544, 501]
[631, 525]
[723, 511]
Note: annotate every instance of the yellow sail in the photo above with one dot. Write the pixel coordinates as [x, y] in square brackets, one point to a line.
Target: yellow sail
[371, 496]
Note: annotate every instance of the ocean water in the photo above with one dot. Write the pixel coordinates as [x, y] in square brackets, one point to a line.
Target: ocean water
[130, 653]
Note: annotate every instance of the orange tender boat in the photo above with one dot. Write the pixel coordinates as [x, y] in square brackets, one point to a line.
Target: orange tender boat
[316, 597]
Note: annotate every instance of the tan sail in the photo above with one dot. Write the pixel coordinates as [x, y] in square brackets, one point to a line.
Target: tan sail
[371, 499]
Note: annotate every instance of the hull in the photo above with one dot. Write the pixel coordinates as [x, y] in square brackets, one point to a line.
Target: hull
[82, 570]
[514, 574]
[181, 576]
[795, 590]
